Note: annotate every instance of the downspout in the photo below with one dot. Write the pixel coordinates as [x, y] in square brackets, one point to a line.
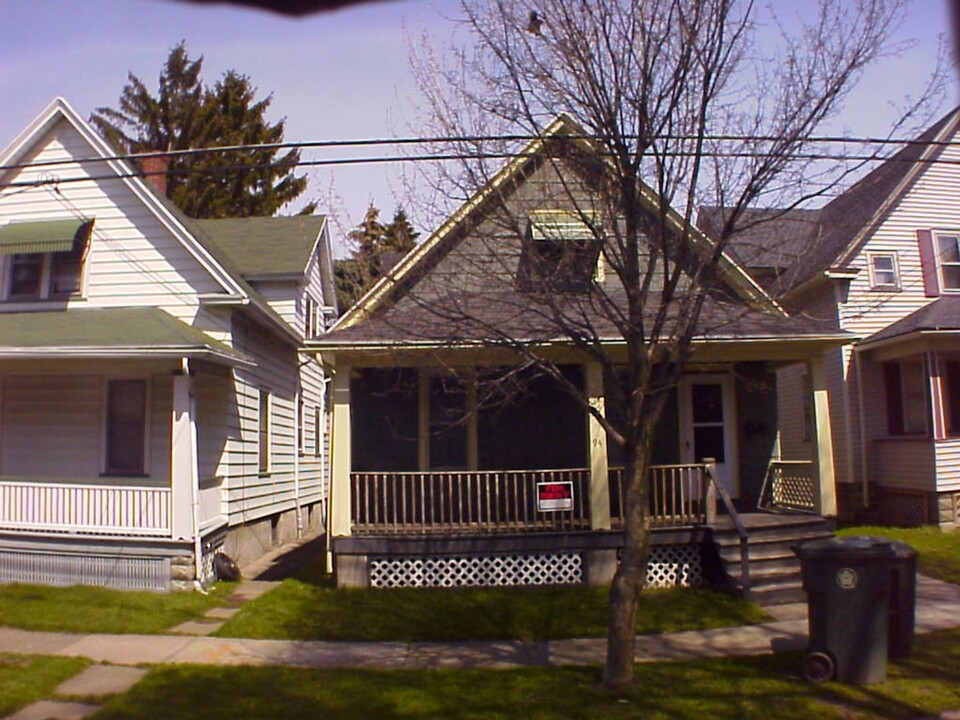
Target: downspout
[327, 520]
[298, 435]
[194, 478]
[864, 466]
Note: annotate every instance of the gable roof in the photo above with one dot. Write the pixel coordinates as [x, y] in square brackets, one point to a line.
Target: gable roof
[229, 253]
[435, 245]
[803, 244]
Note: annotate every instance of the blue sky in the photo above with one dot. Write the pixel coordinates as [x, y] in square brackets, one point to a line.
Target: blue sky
[333, 76]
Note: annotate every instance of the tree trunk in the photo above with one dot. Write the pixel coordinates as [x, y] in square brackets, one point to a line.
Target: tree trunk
[628, 581]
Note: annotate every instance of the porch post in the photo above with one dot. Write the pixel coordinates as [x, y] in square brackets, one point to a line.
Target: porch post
[935, 388]
[182, 478]
[597, 439]
[823, 456]
[340, 454]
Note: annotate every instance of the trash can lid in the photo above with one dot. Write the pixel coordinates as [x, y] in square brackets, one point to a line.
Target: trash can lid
[855, 547]
[901, 550]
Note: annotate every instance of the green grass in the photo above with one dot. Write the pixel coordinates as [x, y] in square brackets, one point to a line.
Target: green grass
[728, 689]
[24, 679]
[307, 611]
[938, 552]
[84, 609]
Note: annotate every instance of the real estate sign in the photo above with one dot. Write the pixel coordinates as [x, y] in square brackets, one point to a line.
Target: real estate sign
[555, 496]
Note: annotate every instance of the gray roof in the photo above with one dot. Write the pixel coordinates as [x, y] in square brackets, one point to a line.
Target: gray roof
[107, 332]
[791, 246]
[943, 314]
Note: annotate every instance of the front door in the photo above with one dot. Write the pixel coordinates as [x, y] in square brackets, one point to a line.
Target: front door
[708, 423]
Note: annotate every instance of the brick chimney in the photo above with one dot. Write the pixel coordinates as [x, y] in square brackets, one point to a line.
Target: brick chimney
[154, 170]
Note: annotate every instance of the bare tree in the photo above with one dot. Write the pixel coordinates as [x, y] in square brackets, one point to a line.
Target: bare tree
[665, 106]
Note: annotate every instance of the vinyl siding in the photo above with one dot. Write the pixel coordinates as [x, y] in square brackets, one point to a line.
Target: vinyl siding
[790, 414]
[947, 454]
[904, 463]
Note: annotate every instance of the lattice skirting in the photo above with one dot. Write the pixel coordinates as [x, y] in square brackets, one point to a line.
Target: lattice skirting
[52, 568]
[674, 566]
[669, 566]
[907, 508]
[477, 570]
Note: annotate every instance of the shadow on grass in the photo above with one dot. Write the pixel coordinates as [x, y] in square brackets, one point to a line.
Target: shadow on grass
[727, 689]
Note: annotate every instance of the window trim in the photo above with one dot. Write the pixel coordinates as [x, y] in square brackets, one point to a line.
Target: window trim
[106, 469]
[895, 269]
[896, 399]
[937, 252]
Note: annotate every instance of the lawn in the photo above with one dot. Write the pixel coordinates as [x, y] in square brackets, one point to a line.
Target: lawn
[758, 687]
[939, 552]
[300, 609]
[26, 679]
[81, 608]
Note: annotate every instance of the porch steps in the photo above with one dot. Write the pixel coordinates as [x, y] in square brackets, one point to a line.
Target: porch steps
[774, 568]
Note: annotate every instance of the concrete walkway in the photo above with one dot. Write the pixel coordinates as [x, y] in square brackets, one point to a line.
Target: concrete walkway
[938, 607]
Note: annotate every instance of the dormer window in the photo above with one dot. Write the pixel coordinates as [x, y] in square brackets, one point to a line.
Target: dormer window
[44, 260]
[560, 252]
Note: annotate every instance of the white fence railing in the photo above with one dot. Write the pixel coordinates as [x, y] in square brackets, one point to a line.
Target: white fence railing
[84, 509]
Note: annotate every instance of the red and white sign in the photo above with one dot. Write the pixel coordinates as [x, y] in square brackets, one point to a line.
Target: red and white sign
[555, 496]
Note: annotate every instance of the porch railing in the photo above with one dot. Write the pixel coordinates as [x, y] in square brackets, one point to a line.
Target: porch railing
[84, 509]
[463, 501]
[789, 486]
[679, 495]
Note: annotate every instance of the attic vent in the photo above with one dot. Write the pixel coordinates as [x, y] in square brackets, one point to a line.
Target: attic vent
[560, 252]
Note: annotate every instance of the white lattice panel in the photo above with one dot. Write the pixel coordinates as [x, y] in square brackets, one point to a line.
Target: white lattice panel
[477, 570]
[674, 566]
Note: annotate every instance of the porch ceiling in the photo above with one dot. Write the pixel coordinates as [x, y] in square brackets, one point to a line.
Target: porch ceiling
[140, 333]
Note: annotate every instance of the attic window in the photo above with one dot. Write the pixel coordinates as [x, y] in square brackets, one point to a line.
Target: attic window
[44, 259]
[560, 252]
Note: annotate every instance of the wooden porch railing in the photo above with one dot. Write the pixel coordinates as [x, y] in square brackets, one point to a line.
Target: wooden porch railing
[789, 486]
[463, 501]
[84, 509]
[679, 495]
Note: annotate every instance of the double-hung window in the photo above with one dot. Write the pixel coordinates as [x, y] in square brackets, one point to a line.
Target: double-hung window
[884, 273]
[948, 259]
[906, 397]
[126, 424]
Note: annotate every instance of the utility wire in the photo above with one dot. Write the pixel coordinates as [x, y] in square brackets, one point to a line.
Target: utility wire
[380, 142]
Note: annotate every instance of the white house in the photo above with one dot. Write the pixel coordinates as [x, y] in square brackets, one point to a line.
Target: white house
[154, 406]
[882, 262]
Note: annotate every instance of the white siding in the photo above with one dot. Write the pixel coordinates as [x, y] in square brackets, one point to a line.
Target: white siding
[948, 465]
[790, 402]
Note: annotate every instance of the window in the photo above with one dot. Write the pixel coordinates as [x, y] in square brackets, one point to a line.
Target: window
[906, 397]
[310, 317]
[560, 252]
[49, 264]
[126, 427]
[263, 461]
[884, 274]
[948, 260]
[952, 397]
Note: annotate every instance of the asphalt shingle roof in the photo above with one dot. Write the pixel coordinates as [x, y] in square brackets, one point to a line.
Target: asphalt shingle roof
[942, 314]
[106, 331]
[265, 245]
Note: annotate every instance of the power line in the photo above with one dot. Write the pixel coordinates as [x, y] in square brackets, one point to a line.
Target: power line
[432, 157]
[460, 139]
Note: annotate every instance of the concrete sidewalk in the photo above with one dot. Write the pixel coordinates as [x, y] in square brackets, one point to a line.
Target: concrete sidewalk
[938, 607]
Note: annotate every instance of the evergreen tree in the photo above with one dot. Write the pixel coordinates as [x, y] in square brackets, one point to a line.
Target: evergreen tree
[186, 115]
[372, 243]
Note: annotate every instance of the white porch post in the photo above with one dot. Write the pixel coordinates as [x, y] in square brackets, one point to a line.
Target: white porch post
[183, 479]
[340, 454]
[823, 453]
[935, 388]
[597, 439]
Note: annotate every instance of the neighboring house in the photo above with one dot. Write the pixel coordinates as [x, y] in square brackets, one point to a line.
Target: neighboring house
[880, 261]
[434, 484]
[154, 406]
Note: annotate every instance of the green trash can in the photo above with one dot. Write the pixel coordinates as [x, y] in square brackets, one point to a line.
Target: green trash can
[903, 599]
[847, 581]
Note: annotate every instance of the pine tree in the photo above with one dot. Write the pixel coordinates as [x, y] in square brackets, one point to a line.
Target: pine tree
[186, 115]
